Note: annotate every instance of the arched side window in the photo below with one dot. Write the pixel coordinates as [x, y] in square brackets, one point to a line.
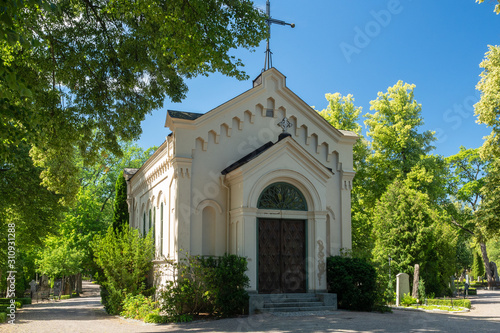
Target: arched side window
[144, 224]
[161, 229]
[282, 196]
[154, 227]
[208, 231]
[149, 220]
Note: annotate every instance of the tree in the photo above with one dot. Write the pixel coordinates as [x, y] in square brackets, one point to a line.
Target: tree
[120, 211]
[478, 265]
[31, 208]
[488, 112]
[92, 212]
[396, 144]
[60, 259]
[409, 229]
[84, 74]
[467, 189]
[342, 114]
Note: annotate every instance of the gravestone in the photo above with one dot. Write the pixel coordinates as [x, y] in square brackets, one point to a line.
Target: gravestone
[33, 287]
[44, 284]
[452, 286]
[57, 288]
[494, 271]
[402, 286]
[416, 273]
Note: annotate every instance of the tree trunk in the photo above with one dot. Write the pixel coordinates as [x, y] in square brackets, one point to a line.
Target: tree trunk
[79, 283]
[487, 268]
[416, 274]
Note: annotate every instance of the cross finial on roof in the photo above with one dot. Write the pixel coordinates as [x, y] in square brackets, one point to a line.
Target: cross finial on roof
[285, 124]
[269, 62]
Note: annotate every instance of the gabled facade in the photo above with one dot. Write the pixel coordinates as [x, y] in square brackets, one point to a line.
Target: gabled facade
[227, 181]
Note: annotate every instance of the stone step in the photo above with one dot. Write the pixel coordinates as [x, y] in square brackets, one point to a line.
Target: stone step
[292, 304]
[296, 295]
[292, 300]
[296, 309]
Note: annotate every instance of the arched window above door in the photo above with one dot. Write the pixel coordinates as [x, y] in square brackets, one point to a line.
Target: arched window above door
[282, 196]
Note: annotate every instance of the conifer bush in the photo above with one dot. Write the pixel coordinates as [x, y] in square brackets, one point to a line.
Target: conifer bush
[354, 281]
[124, 258]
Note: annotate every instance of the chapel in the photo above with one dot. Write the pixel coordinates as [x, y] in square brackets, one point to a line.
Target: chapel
[262, 176]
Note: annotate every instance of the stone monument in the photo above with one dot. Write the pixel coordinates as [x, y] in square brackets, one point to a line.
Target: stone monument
[402, 286]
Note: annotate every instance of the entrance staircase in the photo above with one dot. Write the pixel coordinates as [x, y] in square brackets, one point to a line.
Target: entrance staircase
[263, 303]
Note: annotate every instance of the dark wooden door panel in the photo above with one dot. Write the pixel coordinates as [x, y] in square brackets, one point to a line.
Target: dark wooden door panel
[269, 256]
[293, 256]
[282, 256]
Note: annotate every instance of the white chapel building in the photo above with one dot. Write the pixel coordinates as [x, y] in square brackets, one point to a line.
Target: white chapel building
[262, 176]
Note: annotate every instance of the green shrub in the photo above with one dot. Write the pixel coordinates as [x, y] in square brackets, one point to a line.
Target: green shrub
[124, 259]
[155, 318]
[215, 285]
[354, 282]
[183, 318]
[3, 317]
[65, 296]
[463, 303]
[18, 304]
[472, 291]
[421, 289]
[226, 283]
[138, 306]
[408, 300]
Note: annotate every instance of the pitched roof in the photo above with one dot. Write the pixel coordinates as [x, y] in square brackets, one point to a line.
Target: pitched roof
[184, 115]
[245, 159]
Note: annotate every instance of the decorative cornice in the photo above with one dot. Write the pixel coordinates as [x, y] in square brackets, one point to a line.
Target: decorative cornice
[347, 177]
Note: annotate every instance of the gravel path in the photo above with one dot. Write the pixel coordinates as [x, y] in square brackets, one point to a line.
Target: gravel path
[86, 314]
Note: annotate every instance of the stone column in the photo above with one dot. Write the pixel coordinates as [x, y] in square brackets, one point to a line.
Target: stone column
[183, 210]
[244, 225]
[346, 187]
[320, 252]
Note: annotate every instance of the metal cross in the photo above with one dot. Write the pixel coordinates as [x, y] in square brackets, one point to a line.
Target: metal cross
[285, 124]
[268, 63]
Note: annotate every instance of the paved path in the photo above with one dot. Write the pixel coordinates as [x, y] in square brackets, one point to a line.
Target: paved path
[85, 314]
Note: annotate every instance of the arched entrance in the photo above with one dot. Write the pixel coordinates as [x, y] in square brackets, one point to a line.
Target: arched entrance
[281, 242]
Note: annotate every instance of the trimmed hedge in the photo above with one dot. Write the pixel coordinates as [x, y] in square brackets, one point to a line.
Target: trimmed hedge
[3, 317]
[354, 281]
[23, 300]
[463, 303]
[6, 305]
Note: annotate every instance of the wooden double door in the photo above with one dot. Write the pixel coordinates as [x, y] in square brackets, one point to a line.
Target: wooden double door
[282, 256]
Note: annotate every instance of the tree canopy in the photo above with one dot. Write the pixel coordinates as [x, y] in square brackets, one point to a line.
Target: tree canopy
[80, 73]
[488, 112]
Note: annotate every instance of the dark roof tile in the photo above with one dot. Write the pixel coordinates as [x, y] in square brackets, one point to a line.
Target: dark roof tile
[184, 115]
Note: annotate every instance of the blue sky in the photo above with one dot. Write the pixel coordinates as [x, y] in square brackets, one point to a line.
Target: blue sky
[363, 47]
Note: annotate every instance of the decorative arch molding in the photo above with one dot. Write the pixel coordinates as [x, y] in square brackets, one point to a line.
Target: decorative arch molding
[294, 178]
[330, 212]
[208, 203]
[161, 199]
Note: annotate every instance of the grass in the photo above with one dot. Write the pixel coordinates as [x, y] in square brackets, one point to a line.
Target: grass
[438, 307]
